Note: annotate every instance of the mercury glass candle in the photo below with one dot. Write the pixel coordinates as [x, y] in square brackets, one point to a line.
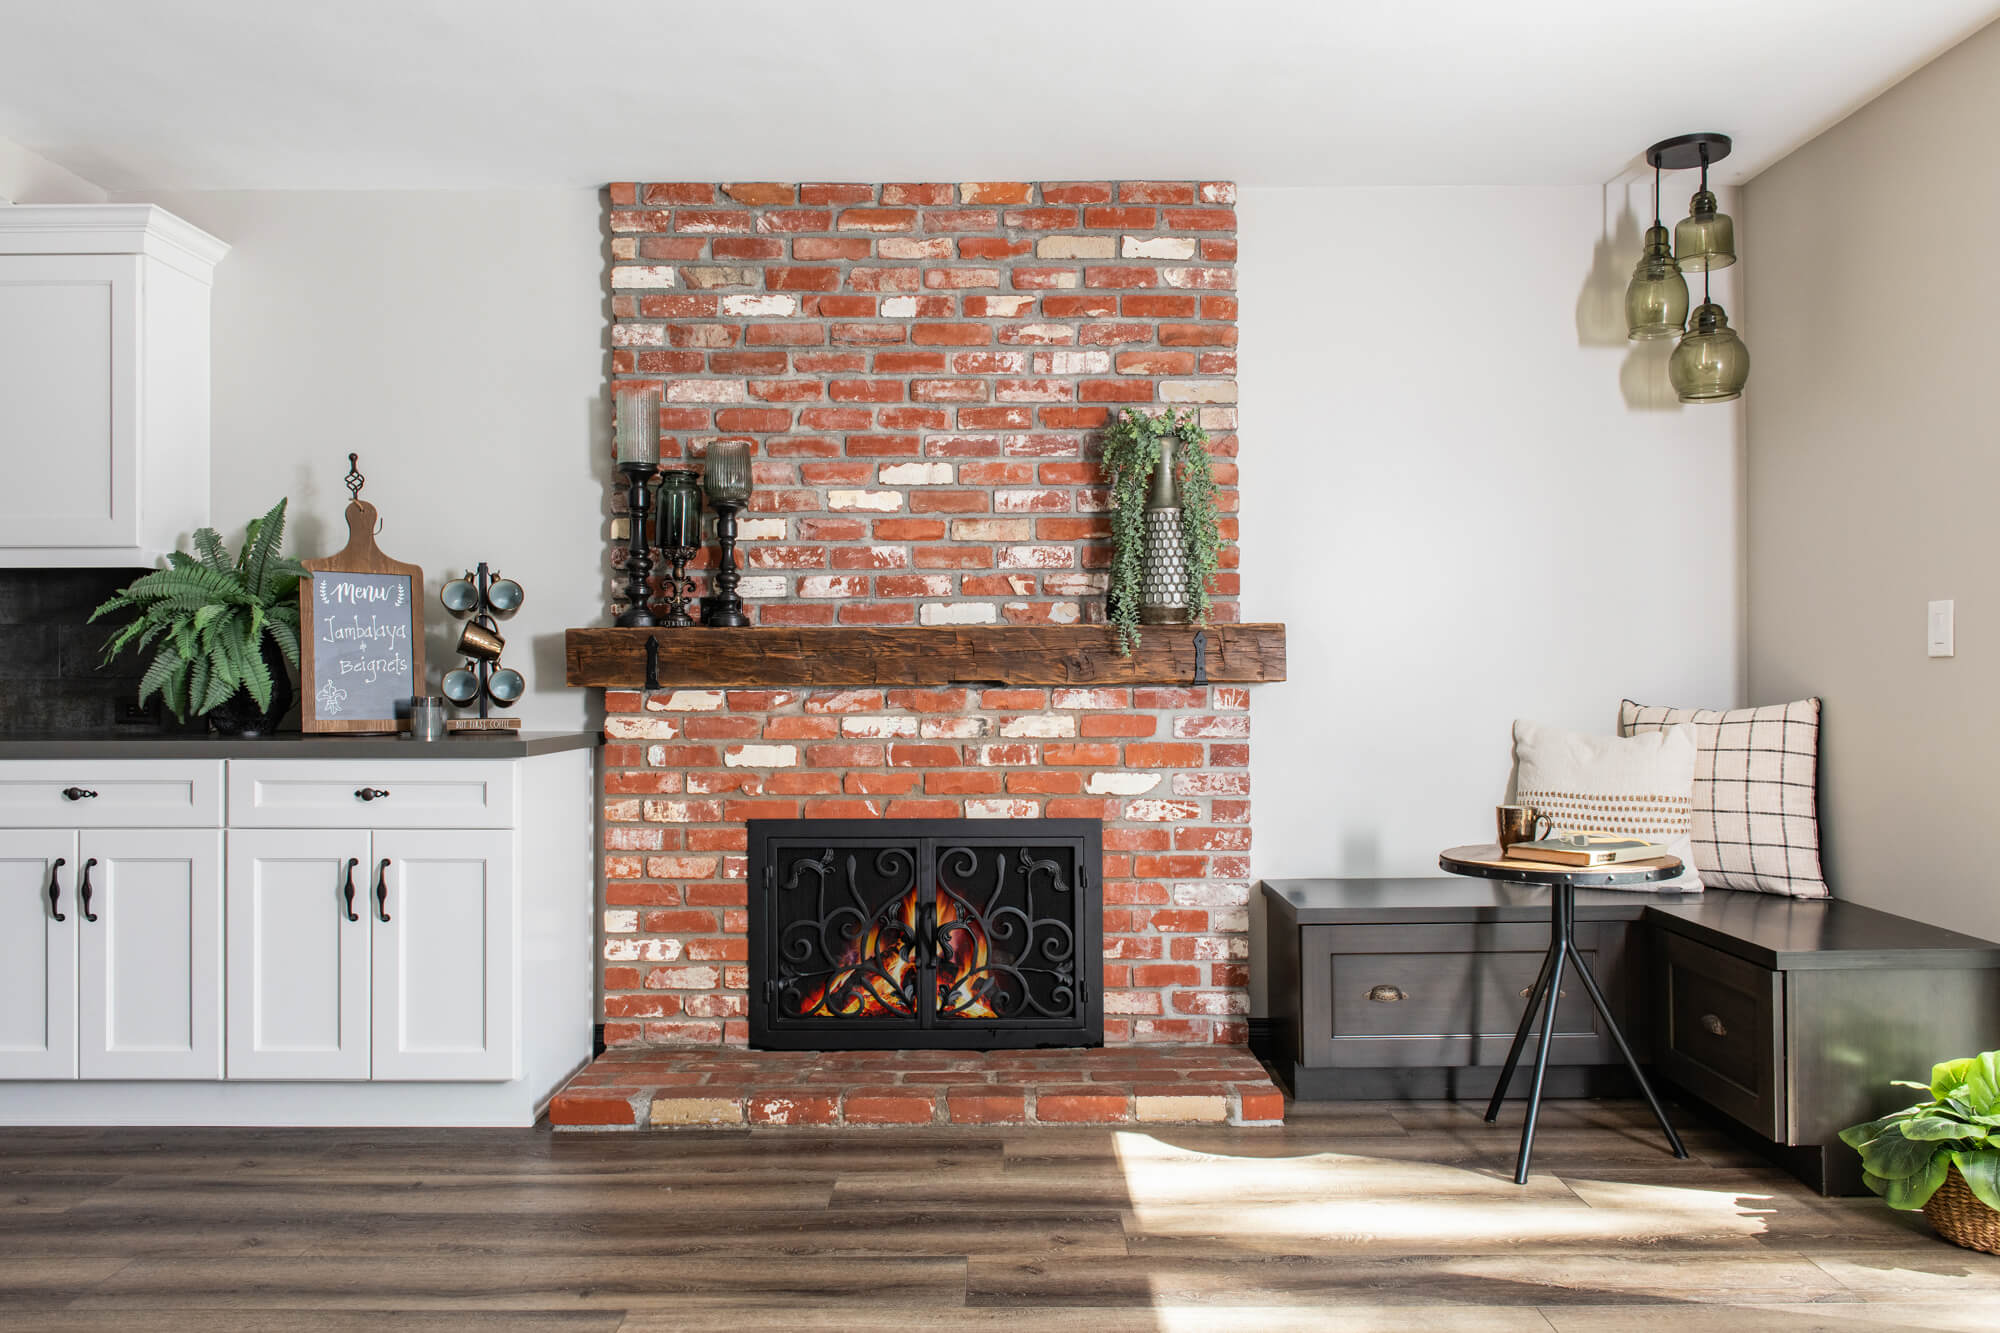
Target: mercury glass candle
[728, 482]
[638, 425]
[728, 475]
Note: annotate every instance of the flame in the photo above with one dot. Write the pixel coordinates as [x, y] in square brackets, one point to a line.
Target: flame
[876, 969]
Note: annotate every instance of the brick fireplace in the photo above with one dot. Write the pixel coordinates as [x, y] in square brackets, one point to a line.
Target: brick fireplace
[922, 368]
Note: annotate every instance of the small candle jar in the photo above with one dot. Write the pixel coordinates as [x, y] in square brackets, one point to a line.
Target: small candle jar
[728, 474]
[427, 718]
[638, 426]
[679, 510]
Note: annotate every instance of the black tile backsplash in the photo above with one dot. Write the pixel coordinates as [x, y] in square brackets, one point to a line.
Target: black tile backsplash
[49, 674]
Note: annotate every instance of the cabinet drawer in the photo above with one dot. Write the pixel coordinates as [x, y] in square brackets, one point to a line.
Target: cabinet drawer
[1447, 995]
[369, 793]
[1722, 1031]
[121, 793]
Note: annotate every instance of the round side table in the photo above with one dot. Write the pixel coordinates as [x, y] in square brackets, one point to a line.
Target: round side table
[1487, 861]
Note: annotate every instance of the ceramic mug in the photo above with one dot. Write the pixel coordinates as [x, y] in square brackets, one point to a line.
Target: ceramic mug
[478, 642]
[506, 686]
[461, 687]
[1521, 823]
[504, 597]
[460, 597]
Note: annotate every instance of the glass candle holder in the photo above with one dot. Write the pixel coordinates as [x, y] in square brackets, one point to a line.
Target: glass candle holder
[679, 510]
[638, 425]
[728, 475]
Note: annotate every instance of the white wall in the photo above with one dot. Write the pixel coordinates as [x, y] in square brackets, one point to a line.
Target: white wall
[1470, 499]
[452, 340]
[30, 178]
[1873, 472]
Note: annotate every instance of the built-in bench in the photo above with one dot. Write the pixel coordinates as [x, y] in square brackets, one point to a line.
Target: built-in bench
[1789, 1017]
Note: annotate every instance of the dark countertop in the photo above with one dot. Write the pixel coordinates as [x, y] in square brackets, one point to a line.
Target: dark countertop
[141, 743]
[1786, 934]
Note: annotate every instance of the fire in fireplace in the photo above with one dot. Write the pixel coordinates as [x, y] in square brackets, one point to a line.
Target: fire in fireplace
[925, 933]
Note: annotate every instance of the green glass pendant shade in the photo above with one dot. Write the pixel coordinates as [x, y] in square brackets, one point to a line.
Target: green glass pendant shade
[1704, 239]
[1711, 365]
[1656, 300]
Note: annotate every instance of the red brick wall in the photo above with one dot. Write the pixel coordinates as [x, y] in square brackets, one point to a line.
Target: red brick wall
[924, 369]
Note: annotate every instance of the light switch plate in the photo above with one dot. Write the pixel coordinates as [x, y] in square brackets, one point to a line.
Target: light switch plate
[1940, 633]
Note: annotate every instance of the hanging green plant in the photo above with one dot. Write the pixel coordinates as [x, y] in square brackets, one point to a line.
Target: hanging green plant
[1131, 447]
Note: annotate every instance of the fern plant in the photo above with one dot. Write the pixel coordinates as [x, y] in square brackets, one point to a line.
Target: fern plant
[208, 616]
[1131, 448]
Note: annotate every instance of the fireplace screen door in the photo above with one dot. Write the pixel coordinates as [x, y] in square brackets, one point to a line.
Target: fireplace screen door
[934, 933]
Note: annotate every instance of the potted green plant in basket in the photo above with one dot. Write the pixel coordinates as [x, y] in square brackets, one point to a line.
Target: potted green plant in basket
[1168, 456]
[223, 629]
[1943, 1155]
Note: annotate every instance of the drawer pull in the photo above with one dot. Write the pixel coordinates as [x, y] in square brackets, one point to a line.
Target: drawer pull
[371, 793]
[1388, 994]
[382, 889]
[78, 794]
[55, 890]
[1714, 1026]
[349, 890]
[1526, 991]
[83, 890]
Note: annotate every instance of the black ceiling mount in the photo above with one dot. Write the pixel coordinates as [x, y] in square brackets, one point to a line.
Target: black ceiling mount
[1683, 151]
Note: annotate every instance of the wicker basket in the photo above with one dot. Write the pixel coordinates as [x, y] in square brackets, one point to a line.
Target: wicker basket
[1961, 1218]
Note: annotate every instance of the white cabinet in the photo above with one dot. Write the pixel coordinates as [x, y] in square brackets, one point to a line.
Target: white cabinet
[104, 383]
[344, 967]
[444, 995]
[300, 926]
[38, 953]
[149, 955]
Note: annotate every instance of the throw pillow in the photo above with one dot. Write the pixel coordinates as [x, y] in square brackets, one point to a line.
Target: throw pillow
[1641, 786]
[1756, 793]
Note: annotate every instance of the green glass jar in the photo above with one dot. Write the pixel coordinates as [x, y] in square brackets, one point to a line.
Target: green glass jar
[1704, 239]
[1656, 300]
[679, 510]
[1711, 365]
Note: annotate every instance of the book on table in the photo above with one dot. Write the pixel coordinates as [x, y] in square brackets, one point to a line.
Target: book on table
[1586, 849]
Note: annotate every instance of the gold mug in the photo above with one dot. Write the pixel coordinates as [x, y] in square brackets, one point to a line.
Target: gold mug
[478, 642]
[1521, 823]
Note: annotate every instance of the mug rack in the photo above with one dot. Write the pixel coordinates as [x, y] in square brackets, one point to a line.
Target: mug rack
[483, 600]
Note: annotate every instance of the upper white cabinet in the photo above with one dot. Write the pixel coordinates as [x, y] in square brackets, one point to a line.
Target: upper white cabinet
[104, 370]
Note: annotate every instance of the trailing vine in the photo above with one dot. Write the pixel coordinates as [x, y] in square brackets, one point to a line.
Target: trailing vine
[1131, 447]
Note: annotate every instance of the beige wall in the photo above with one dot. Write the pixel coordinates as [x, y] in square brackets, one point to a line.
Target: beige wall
[30, 178]
[452, 340]
[1874, 470]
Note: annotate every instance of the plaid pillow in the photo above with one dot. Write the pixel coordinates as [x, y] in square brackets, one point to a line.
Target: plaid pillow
[1756, 793]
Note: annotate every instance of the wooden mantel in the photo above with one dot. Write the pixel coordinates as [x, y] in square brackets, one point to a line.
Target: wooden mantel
[960, 655]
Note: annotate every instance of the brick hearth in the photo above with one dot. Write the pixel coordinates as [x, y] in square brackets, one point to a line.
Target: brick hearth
[707, 1089]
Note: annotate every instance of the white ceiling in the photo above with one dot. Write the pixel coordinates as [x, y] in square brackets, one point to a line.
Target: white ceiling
[350, 94]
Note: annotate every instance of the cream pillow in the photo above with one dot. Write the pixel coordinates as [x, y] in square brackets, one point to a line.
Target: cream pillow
[1641, 786]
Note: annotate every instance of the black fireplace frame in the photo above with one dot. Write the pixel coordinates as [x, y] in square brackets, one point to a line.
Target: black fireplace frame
[770, 1029]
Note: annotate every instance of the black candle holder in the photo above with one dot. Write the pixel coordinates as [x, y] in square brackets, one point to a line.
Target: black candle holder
[723, 608]
[680, 587]
[638, 556]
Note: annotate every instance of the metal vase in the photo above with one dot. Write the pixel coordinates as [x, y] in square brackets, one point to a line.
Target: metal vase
[1165, 587]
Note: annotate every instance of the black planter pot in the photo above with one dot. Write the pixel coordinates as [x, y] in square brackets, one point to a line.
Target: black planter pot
[239, 714]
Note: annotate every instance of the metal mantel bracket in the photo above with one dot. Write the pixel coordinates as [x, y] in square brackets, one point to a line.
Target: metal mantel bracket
[652, 662]
[1200, 659]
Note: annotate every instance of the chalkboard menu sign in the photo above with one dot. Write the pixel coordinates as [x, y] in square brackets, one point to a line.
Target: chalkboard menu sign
[362, 641]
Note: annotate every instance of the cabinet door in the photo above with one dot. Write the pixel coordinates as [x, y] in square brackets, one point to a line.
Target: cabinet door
[149, 986]
[445, 998]
[68, 400]
[297, 966]
[37, 954]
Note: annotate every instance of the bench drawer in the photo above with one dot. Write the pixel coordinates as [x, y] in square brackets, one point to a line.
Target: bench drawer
[1721, 1031]
[111, 793]
[371, 793]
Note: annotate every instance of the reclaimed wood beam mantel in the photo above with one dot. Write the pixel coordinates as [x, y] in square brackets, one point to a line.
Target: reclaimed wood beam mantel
[964, 655]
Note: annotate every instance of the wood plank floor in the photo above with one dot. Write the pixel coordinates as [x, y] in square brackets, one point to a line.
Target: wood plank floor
[1362, 1217]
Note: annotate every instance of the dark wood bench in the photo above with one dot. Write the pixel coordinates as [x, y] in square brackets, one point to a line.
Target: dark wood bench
[1788, 1017]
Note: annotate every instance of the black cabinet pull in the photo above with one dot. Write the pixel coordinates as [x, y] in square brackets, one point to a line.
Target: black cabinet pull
[83, 890]
[371, 793]
[382, 890]
[349, 890]
[78, 794]
[55, 889]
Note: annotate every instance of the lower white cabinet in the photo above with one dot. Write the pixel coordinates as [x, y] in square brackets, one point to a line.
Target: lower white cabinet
[111, 954]
[384, 954]
[323, 973]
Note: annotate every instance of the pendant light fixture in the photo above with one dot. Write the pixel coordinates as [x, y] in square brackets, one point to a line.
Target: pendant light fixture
[1656, 300]
[1711, 364]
